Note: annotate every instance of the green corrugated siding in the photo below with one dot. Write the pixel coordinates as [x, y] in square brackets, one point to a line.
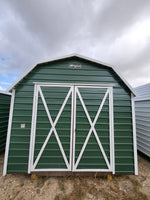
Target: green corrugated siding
[60, 72]
[4, 114]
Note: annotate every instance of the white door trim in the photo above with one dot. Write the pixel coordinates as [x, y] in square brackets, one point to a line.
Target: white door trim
[109, 165]
[73, 91]
[111, 130]
[73, 84]
[33, 129]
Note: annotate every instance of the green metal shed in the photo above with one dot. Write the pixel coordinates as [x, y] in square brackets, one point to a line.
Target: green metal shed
[71, 114]
[4, 114]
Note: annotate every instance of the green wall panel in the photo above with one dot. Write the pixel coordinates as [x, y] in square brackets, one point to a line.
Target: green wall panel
[4, 115]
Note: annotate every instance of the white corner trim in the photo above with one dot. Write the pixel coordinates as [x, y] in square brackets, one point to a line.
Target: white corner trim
[68, 56]
[8, 133]
[134, 136]
[111, 124]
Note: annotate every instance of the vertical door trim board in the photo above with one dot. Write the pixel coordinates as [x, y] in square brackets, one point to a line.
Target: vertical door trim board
[9, 132]
[134, 136]
[32, 134]
[111, 130]
[73, 128]
[110, 168]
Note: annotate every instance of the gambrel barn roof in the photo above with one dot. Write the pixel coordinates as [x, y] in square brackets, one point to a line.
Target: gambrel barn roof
[78, 56]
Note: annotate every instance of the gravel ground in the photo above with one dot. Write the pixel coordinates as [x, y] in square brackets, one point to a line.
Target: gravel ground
[122, 187]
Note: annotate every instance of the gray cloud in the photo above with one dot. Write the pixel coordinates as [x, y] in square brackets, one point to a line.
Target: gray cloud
[117, 16]
[33, 31]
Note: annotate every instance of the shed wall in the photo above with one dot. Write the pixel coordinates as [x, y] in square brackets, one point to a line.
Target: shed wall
[143, 92]
[60, 72]
[4, 114]
[142, 110]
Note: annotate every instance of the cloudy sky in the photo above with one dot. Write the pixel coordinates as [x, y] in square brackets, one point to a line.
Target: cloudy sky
[113, 31]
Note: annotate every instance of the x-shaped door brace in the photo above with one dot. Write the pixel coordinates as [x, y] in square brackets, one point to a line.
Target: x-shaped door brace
[53, 129]
[91, 129]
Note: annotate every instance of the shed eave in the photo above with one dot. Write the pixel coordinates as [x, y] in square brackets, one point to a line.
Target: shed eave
[69, 56]
[142, 99]
[5, 92]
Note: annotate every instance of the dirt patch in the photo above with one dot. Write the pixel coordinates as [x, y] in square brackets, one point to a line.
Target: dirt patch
[123, 187]
[143, 179]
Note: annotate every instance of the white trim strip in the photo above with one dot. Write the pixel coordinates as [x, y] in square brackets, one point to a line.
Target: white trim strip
[50, 170]
[134, 136]
[9, 132]
[45, 84]
[111, 123]
[48, 84]
[92, 128]
[33, 129]
[66, 170]
[53, 124]
[72, 129]
[92, 170]
[94, 86]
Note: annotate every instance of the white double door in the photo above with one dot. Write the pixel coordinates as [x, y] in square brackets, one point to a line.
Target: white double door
[72, 128]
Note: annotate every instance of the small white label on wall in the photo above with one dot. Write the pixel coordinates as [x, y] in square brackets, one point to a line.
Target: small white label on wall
[22, 125]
